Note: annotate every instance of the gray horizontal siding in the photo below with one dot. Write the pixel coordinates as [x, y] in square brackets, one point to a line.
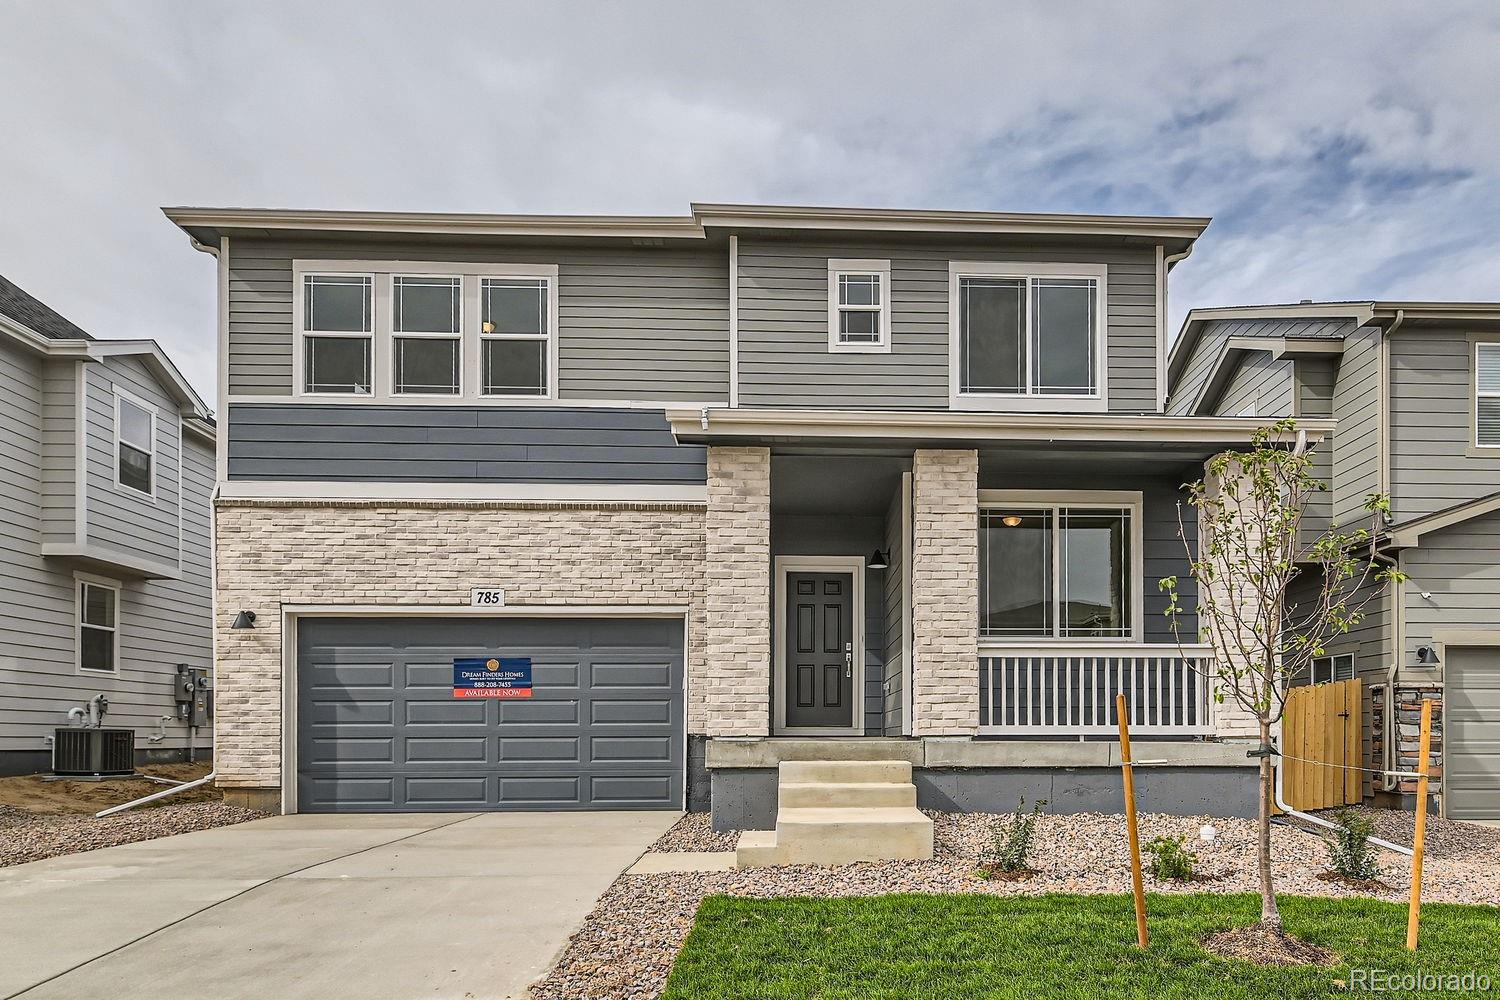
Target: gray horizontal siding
[1431, 399]
[894, 598]
[443, 444]
[1262, 384]
[783, 324]
[1357, 435]
[641, 323]
[1459, 567]
[120, 518]
[162, 623]
[59, 440]
[1315, 380]
[1214, 336]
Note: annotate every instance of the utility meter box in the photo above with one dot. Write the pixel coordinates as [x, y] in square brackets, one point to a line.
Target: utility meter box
[195, 695]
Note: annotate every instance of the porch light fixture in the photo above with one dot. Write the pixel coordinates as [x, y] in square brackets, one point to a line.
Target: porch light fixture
[245, 619]
[1427, 656]
[879, 560]
[1011, 520]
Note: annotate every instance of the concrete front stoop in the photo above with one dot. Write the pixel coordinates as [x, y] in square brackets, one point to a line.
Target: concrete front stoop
[832, 812]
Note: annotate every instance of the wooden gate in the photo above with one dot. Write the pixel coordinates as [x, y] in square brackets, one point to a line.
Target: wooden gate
[1322, 725]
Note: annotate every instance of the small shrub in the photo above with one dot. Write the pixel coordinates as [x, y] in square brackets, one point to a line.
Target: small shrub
[1171, 860]
[1013, 837]
[1350, 854]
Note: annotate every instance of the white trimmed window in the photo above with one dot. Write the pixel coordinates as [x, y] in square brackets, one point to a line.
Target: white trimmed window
[1487, 395]
[1064, 569]
[338, 325]
[859, 306]
[426, 335]
[135, 444]
[1027, 331]
[1326, 669]
[515, 336]
[98, 626]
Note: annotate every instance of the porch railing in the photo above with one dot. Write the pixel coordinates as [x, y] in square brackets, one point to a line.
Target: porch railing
[1052, 691]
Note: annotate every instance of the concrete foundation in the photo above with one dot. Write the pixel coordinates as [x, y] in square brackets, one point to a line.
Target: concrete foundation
[17, 762]
[264, 799]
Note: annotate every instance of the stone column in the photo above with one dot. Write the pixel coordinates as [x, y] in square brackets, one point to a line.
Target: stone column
[1230, 720]
[945, 593]
[738, 592]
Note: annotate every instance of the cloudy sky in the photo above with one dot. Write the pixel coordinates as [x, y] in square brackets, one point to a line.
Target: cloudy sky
[1345, 150]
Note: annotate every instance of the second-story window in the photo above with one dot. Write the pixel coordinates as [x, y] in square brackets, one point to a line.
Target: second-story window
[426, 330]
[1027, 330]
[338, 321]
[515, 336]
[859, 305]
[1487, 395]
[135, 444]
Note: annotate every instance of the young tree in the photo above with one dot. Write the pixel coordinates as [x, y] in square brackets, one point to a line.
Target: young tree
[1251, 547]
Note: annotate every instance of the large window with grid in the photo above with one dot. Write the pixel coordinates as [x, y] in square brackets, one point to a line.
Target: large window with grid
[1064, 570]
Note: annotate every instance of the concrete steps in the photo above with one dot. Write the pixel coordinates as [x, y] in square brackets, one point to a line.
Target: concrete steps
[833, 812]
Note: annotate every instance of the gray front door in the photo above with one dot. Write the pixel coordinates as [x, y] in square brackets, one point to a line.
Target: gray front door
[819, 650]
[380, 730]
[1471, 732]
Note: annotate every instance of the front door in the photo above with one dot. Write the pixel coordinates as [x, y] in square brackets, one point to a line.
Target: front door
[819, 650]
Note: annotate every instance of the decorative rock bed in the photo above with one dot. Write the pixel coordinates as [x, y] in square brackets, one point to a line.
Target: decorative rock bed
[628, 944]
[26, 836]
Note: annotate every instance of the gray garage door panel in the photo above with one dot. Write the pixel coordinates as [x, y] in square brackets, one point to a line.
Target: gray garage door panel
[380, 731]
[1471, 732]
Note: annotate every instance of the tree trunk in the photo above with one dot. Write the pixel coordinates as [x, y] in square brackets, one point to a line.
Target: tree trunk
[1270, 915]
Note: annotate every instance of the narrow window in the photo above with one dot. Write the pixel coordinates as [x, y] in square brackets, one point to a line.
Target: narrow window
[337, 323]
[1326, 669]
[1026, 335]
[859, 305]
[97, 627]
[426, 326]
[515, 336]
[1016, 573]
[135, 445]
[1487, 395]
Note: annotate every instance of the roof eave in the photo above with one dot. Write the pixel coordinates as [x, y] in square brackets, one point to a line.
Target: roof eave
[719, 216]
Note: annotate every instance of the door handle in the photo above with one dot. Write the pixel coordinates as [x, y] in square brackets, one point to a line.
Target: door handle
[848, 664]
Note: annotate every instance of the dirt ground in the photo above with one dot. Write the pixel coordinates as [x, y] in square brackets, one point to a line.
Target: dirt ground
[34, 794]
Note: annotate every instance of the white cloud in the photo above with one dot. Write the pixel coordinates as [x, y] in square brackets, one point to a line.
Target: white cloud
[1346, 150]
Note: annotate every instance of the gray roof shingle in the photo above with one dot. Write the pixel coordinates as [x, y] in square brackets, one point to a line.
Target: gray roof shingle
[31, 312]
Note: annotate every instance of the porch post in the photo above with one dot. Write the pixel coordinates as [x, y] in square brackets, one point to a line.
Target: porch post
[737, 677]
[1230, 720]
[945, 593]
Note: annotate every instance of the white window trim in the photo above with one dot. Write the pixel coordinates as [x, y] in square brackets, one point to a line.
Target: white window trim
[1132, 500]
[1479, 394]
[463, 319]
[123, 396]
[382, 372]
[1096, 401]
[838, 266]
[549, 274]
[104, 583]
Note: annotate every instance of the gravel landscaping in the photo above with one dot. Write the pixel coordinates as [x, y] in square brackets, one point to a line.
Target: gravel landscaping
[628, 944]
[694, 832]
[26, 836]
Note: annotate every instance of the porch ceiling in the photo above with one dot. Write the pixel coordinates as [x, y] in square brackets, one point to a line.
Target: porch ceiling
[835, 484]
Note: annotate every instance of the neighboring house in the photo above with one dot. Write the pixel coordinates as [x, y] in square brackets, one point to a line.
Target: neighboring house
[744, 486]
[104, 535]
[1415, 390]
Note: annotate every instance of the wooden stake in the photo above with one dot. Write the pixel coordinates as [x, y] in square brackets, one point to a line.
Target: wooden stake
[1136, 883]
[1414, 911]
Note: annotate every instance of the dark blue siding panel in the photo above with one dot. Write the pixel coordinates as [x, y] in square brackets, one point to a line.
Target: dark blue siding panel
[456, 444]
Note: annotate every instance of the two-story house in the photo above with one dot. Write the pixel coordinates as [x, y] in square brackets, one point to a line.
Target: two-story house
[703, 494]
[1415, 390]
[104, 537]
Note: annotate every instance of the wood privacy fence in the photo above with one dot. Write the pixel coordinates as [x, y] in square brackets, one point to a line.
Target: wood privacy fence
[1322, 727]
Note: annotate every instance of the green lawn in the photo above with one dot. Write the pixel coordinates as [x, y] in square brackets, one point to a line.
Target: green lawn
[1056, 946]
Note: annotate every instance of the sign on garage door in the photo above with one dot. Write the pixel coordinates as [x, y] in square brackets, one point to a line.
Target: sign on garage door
[1471, 732]
[379, 728]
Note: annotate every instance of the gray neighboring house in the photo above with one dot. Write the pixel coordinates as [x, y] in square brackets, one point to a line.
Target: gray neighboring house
[732, 488]
[1414, 388]
[104, 535]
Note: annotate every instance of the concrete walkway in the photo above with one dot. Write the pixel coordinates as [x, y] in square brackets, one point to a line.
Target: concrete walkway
[360, 906]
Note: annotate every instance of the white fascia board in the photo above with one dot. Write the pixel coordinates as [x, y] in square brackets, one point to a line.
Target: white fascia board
[920, 220]
[896, 425]
[644, 493]
[228, 220]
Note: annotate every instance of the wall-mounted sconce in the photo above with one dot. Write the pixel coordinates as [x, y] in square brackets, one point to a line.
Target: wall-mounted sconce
[879, 559]
[1427, 656]
[245, 619]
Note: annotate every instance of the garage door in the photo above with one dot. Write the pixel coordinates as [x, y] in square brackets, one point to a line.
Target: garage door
[1471, 731]
[379, 728]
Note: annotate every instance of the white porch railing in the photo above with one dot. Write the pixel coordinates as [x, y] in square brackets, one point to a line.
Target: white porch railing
[1069, 690]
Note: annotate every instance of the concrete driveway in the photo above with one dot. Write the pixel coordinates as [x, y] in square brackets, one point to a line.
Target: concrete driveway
[360, 906]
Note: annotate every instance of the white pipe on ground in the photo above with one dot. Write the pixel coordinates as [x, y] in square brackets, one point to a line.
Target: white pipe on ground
[154, 796]
[1320, 821]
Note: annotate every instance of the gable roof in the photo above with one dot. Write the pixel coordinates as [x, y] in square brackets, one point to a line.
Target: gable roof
[1409, 534]
[34, 314]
